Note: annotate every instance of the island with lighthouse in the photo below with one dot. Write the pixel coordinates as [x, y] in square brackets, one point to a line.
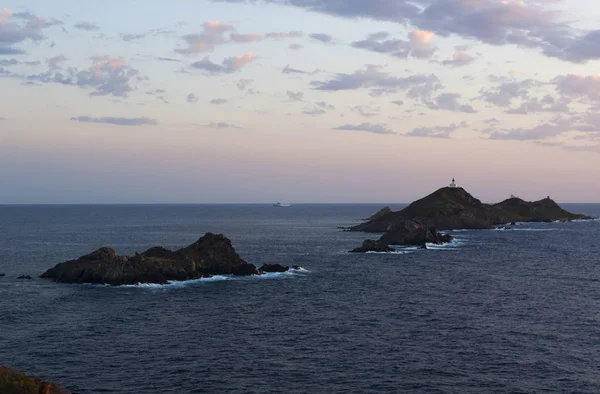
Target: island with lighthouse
[452, 208]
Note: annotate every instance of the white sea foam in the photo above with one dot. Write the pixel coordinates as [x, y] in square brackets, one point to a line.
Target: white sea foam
[394, 252]
[452, 245]
[217, 278]
[524, 229]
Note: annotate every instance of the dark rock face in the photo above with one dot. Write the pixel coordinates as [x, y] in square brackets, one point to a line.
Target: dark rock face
[15, 382]
[210, 255]
[371, 245]
[270, 268]
[454, 208]
[384, 213]
[412, 233]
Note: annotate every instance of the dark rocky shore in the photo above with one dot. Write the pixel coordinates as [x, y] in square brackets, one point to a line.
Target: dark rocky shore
[452, 209]
[210, 255]
[15, 382]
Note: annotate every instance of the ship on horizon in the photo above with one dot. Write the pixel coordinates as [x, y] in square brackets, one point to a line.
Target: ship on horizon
[282, 205]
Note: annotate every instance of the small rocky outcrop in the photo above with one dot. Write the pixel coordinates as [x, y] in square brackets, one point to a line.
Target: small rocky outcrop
[15, 382]
[25, 277]
[210, 255]
[413, 233]
[382, 214]
[371, 245]
[273, 268]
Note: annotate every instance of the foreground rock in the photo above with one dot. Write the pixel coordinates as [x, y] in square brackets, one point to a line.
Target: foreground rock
[404, 233]
[412, 233]
[371, 245]
[210, 255]
[453, 208]
[15, 382]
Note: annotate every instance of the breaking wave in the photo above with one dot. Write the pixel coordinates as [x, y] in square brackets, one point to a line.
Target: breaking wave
[217, 278]
[524, 229]
[452, 245]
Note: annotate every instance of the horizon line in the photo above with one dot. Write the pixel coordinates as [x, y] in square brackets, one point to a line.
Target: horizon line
[225, 203]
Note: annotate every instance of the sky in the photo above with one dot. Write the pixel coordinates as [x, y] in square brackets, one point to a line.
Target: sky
[304, 101]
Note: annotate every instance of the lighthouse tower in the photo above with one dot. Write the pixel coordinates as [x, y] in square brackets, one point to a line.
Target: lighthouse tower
[453, 184]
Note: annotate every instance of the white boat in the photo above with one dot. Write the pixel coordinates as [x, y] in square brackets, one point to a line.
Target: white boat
[282, 205]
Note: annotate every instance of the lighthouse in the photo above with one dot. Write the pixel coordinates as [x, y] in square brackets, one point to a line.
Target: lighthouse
[453, 184]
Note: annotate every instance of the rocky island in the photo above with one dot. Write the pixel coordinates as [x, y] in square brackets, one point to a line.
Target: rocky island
[15, 382]
[211, 255]
[453, 208]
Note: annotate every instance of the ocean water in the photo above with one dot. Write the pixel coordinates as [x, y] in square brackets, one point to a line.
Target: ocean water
[514, 311]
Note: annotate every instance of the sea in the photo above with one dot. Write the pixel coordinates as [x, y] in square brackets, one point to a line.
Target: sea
[495, 311]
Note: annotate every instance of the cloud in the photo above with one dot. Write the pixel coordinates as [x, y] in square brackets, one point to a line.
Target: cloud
[167, 59]
[117, 121]
[546, 104]
[289, 70]
[16, 27]
[14, 62]
[192, 98]
[418, 44]
[322, 37]
[56, 61]
[450, 102]
[218, 101]
[295, 96]
[222, 125]
[459, 59]
[284, 35]
[314, 111]
[106, 76]
[545, 130]
[379, 43]
[324, 105]
[11, 51]
[436, 132]
[211, 36]
[132, 36]
[320, 108]
[579, 86]
[506, 92]
[574, 47]
[368, 127]
[418, 86]
[367, 110]
[533, 24]
[87, 26]
[398, 102]
[245, 38]
[243, 83]
[228, 66]
[214, 33]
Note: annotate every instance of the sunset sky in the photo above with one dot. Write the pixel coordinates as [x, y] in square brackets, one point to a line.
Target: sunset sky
[232, 101]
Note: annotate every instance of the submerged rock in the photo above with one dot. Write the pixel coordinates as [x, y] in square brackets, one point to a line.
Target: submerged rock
[371, 245]
[210, 255]
[15, 382]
